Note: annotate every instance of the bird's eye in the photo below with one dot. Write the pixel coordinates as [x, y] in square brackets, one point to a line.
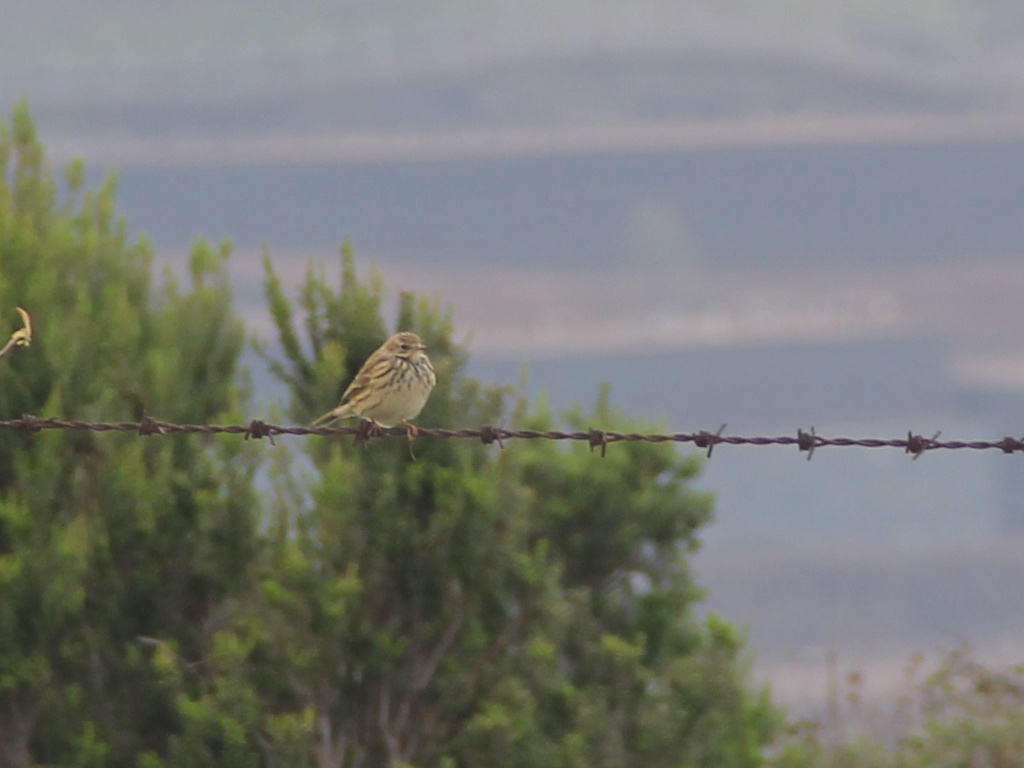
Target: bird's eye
[405, 347]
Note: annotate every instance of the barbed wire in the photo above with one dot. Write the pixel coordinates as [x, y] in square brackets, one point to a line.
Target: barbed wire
[805, 441]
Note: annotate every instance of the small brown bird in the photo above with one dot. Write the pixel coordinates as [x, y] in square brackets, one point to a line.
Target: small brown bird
[392, 386]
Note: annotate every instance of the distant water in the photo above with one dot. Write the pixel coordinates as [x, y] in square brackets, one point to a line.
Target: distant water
[741, 207]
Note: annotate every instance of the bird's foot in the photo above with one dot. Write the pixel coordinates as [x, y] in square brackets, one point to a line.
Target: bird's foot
[367, 431]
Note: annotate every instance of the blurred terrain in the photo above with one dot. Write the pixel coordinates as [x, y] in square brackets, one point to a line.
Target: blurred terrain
[231, 67]
[771, 215]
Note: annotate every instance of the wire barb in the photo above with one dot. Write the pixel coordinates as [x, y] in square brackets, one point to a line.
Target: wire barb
[807, 441]
[489, 434]
[149, 426]
[1011, 444]
[29, 425]
[257, 430]
[918, 444]
[598, 437]
[705, 439]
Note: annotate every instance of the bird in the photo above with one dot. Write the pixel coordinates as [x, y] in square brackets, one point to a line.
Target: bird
[391, 388]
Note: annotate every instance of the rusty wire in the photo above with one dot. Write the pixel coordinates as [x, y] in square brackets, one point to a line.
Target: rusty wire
[805, 441]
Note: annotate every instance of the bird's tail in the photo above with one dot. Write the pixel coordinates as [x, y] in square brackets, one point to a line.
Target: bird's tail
[341, 412]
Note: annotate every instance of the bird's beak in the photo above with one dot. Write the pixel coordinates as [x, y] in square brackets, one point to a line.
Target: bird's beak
[421, 346]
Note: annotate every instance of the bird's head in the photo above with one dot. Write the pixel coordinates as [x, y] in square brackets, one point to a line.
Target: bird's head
[405, 344]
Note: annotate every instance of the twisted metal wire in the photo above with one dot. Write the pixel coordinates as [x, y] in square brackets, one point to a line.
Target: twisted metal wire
[805, 441]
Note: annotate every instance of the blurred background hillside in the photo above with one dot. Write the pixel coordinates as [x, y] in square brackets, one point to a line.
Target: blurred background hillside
[770, 214]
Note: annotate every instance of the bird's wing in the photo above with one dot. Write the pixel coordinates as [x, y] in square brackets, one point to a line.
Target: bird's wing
[375, 367]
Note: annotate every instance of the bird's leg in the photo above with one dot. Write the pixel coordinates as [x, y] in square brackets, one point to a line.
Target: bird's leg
[411, 433]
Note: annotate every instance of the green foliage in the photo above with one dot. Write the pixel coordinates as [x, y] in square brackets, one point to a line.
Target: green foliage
[107, 537]
[477, 606]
